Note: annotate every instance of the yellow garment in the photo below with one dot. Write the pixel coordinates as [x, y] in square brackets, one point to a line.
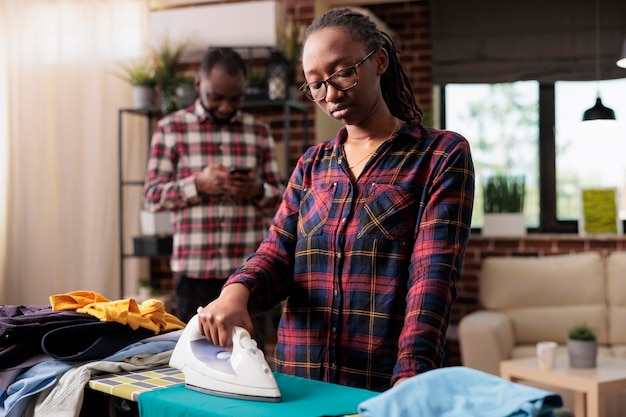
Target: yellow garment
[74, 300]
[150, 314]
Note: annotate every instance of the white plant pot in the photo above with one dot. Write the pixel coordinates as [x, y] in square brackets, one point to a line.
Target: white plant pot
[504, 224]
[143, 97]
[156, 223]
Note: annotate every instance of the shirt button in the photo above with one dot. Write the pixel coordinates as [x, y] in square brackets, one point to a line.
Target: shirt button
[338, 256]
[343, 220]
[334, 330]
[335, 293]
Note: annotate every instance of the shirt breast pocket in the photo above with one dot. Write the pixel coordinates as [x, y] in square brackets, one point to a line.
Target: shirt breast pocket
[389, 212]
[314, 209]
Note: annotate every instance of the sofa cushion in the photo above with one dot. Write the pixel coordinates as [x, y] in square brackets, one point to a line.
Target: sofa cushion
[533, 324]
[545, 296]
[559, 280]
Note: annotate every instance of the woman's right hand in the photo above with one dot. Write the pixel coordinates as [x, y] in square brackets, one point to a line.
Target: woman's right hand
[217, 319]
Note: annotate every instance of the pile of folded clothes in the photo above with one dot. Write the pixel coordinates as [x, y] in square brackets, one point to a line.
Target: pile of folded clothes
[38, 344]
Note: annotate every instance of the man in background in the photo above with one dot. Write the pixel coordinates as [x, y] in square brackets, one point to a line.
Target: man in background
[215, 168]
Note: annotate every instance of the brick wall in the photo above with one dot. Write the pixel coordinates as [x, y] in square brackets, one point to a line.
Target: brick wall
[410, 21]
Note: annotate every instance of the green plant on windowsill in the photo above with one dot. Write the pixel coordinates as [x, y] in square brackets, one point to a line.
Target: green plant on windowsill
[504, 194]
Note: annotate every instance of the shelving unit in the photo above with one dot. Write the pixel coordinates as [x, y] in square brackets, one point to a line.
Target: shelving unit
[152, 115]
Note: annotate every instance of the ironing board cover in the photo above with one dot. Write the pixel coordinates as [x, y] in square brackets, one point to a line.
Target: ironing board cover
[301, 397]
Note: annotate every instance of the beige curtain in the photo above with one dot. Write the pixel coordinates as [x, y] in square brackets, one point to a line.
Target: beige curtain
[59, 103]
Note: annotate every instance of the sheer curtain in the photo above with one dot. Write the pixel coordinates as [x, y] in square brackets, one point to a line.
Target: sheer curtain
[59, 102]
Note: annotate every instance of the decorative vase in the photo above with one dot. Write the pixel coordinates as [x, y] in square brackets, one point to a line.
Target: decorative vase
[582, 353]
[143, 96]
[277, 76]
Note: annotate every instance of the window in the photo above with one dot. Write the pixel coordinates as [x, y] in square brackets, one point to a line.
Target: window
[501, 123]
[537, 130]
[589, 154]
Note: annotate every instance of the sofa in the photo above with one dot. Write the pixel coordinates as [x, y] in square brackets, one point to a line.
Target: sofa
[525, 300]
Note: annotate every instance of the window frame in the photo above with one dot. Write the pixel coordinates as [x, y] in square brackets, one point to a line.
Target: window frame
[548, 222]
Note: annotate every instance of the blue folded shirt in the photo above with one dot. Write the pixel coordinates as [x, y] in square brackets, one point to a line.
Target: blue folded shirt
[459, 391]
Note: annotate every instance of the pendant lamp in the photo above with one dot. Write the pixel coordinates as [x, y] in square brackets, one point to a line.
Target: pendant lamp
[598, 111]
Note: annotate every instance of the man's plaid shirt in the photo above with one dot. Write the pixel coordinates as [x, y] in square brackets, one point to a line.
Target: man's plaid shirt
[213, 234]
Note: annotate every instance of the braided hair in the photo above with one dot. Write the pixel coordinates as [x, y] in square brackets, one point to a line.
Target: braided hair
[394, 83]
[227, 58]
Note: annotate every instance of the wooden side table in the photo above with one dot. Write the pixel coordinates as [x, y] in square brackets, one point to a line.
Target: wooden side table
[590, 385]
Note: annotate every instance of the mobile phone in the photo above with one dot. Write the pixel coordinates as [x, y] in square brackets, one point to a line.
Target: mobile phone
[240, 171]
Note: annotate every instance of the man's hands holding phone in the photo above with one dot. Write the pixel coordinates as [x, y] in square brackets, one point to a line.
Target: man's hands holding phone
[242, 183]
[239, 171]
[238, 182]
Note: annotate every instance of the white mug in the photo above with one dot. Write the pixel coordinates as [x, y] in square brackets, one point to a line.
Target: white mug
[546, 354]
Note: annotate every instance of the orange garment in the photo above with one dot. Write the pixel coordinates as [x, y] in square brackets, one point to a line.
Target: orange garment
[150, 314]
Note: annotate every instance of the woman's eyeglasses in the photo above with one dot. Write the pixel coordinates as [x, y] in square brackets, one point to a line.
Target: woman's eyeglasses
[342, 80]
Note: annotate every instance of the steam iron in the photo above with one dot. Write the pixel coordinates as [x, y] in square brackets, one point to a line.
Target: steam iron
[242, 373]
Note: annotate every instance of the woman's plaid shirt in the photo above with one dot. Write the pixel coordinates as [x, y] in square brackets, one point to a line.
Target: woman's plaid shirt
[369, 266]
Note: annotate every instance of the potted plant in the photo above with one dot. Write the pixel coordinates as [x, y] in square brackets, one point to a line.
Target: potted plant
[503, 204]
[168, 74]
[582, 346]
[290, 44]
[256, 87]
[140, 75]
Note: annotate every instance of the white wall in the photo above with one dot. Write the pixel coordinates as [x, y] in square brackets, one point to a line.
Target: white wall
[236, 24]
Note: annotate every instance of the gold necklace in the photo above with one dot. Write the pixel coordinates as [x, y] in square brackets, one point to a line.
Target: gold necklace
[395, 126]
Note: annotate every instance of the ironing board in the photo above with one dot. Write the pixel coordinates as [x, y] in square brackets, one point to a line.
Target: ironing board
[129, 385]
[301, 397]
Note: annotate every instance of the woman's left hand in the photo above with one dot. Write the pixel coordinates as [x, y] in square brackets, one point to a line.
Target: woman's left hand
[399, 381]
